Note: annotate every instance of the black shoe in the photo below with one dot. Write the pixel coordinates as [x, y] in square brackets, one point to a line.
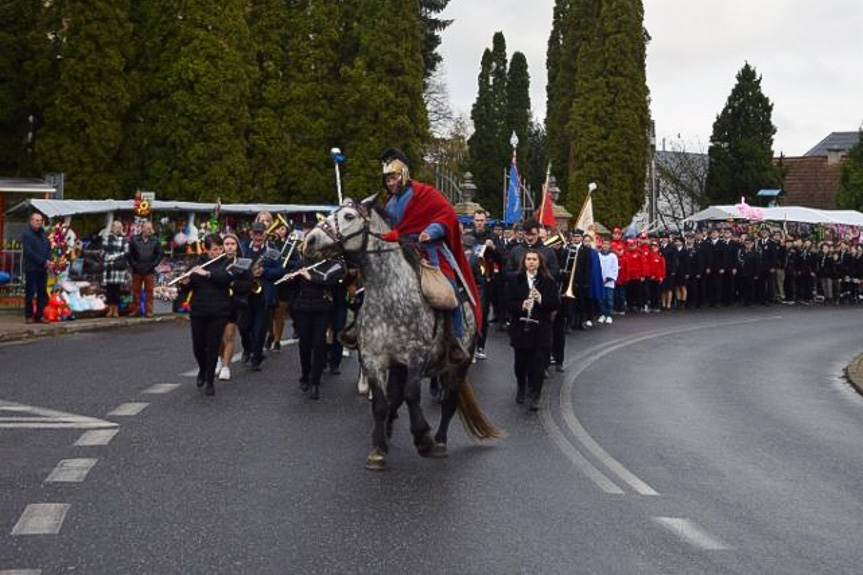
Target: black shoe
[268, 343]
[210, 390]
[335, 370]
[316, 392]
[277, 346]
[256, 364]
[200, 381]
[534, 403]
[246, 357]
[304, 384]
[559, 368]
[519, 396]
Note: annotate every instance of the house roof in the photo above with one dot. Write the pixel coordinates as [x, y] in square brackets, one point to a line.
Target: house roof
[843, 141]
[62, 208]
[811, 181]
[25, 185]
[781, 214]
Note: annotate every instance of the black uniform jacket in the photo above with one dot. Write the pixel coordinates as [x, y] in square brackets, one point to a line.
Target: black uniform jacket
[210, 295]
[531, 335]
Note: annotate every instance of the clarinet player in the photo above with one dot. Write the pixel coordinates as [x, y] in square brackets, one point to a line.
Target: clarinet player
[532, 302]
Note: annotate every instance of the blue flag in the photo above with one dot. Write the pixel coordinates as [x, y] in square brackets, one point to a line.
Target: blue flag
[513, 197]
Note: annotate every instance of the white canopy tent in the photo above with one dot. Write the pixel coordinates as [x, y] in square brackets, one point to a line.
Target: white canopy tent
[781, 214]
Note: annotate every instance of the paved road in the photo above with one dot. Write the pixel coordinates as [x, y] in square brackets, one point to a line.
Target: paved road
[717, 442]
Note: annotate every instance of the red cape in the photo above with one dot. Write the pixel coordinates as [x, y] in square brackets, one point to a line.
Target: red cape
[426, 206]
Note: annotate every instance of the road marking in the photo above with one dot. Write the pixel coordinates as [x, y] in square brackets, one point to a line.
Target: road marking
[32, 417]
[161, 388]
[573, 454]
[572, 422]
[41, 519]
[21, 572]
[128, 409]
[96, 437]
[692, 533]
[71, 470]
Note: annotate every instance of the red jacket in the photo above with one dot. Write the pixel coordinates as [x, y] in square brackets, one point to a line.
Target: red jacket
[633, 261]
[654, 267]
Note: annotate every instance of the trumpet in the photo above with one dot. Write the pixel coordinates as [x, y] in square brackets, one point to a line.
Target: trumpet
[555, 241]
[191, 271]
[569, 290]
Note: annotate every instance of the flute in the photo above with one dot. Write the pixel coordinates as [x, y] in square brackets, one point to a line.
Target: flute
[292, 275]
[191, 271]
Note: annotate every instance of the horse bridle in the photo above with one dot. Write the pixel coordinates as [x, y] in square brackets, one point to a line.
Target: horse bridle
[334, 232]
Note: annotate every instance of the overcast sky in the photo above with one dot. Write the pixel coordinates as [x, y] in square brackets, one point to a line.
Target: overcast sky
[809, 53]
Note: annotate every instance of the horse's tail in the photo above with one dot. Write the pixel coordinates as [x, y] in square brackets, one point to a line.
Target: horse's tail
[474, 420]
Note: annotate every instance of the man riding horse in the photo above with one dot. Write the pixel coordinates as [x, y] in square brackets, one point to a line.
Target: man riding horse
[420, 214]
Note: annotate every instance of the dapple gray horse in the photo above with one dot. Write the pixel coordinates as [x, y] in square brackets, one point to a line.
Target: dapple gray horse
[400, 337]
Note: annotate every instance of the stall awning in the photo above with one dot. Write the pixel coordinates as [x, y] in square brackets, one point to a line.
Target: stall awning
[782, 214]
[25, 186]
[63, 208]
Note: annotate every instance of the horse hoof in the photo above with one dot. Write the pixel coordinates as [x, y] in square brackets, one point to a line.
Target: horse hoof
[438, 450]
[425, 447]
[376, 460]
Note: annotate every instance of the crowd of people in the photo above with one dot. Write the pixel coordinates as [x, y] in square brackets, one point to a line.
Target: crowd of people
[537, 284]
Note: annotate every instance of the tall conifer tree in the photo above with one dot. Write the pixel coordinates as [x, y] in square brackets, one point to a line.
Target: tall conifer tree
[741, 147]
[609, 118]
[384, 104]
[482, 144]
[83, 124]
[196, 125]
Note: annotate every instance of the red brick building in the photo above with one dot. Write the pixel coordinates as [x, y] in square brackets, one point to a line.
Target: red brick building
[812, 180]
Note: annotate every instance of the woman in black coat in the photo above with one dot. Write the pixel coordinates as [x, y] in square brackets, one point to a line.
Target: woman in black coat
[532, 299]
[210, 309]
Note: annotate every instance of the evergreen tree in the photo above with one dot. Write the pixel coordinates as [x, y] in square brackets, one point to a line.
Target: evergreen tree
[196, 122]
[609, 119]
[850, 195]
[314, 113]
[518, 105]
[534, 169]
[383, 86]
[83, 124]
[432, 28]
[483, 143]
[490, 150]
[741, 147]
[18, 21]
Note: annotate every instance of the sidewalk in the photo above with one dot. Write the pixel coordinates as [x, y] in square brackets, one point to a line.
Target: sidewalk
[13, 328]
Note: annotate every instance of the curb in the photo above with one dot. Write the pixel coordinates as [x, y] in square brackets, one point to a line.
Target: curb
[854, 373]
[67, 327]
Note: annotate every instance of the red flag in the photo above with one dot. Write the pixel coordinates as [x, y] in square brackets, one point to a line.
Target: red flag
[546, 213]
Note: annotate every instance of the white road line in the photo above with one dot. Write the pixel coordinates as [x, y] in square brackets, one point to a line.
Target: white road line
[161, 388]
[21, 572]
[33, 417]
[128, 409]
[581, 433]
[41, 519]
[96, 437]
[573, 455]
[692, 533]
[71, 470]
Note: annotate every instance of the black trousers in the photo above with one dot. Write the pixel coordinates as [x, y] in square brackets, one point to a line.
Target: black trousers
[764, 287]
[312, 333]
[206, 336]
[558, 330]
[747, 289]
[653, 291]
[635, 294]
[485, 296]
[112, 293]
[338, 318]
[35, 287]
[530, 369]
[693, 292]
[253, 327]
